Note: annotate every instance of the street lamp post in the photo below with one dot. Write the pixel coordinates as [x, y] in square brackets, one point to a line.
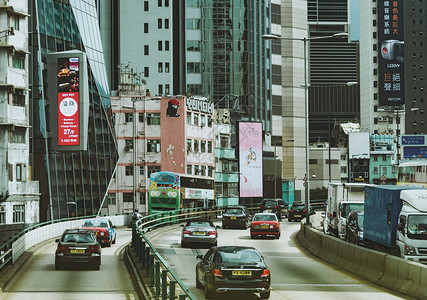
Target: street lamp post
[305, 39]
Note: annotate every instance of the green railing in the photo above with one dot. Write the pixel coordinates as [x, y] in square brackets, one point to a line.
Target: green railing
[163, 281]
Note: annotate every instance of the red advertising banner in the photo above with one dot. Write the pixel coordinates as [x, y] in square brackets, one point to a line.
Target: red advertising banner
[68, 119]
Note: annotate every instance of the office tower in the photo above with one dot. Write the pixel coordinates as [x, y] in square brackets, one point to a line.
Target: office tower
[73, 143]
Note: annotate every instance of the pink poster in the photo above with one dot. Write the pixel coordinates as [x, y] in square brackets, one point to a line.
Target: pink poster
[250, 159]
[68, 119]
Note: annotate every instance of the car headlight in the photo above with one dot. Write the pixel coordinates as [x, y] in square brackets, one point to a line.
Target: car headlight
[409, 250]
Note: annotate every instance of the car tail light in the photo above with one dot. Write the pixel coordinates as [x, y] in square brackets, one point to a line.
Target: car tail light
[217, 273]
[290, 210]
[61, 248]
[276, 207]
[186, 232]
[304, 210]
[261, 207]
[265, 273]
[93, 248]
[211, 232]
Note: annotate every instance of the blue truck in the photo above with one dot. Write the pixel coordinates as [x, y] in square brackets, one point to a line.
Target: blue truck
[396, 221]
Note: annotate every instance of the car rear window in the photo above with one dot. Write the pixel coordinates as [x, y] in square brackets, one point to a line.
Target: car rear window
[78, 238]
[96, 223]
[298, 207]
[198, 223]
[234, 211]
[245, 255]
[265, 218]
[270, 203]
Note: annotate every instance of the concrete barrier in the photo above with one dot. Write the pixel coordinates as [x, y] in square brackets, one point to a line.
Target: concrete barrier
[392, 272]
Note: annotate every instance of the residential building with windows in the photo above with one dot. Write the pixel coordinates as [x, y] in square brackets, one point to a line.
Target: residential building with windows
[19, 193]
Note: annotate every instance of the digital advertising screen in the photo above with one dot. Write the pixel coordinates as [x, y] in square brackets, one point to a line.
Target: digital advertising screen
[391, 56]
[68, 101]
[250, 159]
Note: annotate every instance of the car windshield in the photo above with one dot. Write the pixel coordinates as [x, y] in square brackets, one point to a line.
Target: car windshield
[239, 256]
[199, 223]
[417, 225]
[265, 218]
[77, 238]
[299, 207]
[96, 223]
[347, 208]
[270, 203]
[233, 211]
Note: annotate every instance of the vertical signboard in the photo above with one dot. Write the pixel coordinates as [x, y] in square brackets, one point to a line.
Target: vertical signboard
[250, 159]
[68, 91]
[390, 58]
[68, 101]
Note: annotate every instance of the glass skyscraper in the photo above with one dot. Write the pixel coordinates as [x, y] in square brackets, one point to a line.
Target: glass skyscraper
[71, 182]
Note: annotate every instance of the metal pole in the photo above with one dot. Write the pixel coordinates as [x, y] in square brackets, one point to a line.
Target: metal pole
[307, 183]
[329, 133]
[397, 137]
[275, 179]
[134, 154]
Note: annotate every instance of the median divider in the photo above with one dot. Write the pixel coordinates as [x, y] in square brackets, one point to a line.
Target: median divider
[406, 277]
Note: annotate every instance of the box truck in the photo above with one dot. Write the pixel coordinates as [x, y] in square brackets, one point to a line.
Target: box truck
[342, 199]
[396, 221]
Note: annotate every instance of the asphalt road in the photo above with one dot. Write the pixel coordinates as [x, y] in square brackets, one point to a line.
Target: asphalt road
[38, 278]
[295, 273]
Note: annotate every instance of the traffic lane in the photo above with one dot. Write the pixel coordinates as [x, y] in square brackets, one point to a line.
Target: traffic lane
[38, 278]
[295, 273]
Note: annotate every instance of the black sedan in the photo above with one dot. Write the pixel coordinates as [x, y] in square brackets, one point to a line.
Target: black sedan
[78, 246]
[201, 231]
[354, 227]
[233, 269]
[298, 212]
[236, 216]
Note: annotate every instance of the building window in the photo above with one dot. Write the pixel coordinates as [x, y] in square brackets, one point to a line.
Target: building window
[159, 3]
[210, 122]
[146, 50]
[145, 27]
[193, 68]
[16, 24]
[18, 98]
[376, 170]
[188, 117]
[141, 198]
[112, 199]
[18, 60]
[17, 136]
[189, 169]
[167, 67]
[159, 23]
[210, 171]
[203, 170]
[159, 45]
[209, 147]
[167, 89]
[153, 146]
[141, 117]
[160, 89]
[160, 68]
[129, 170]
[375, 158]
[203, 146]
[128, 117]
[196, 146]
[18, 214]
[153, 119]
[384, 157]
[127, 197]
[230, 189]
[202, 120]
[189, 148]
[224, 141]
[18, 172]
[2, 214]
[218, 188]
[145, 5]
[166, 3]
[166, 45]
[141, 170]
[196, 170]
[196, 119]
[128, 144]
[166, 23]
[152, 169]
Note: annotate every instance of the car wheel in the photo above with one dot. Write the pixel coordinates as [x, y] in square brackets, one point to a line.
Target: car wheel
[114, 240]
[198, 284]
[96, 267]
[208, 293]
[278, 236]
[108, 244]
[265, 295]
[183, 244]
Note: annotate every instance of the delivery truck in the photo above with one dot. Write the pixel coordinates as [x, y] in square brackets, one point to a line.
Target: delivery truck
[342, 199]
[396, 221]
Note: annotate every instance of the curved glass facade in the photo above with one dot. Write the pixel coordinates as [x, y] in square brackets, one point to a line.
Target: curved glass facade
[73, 182]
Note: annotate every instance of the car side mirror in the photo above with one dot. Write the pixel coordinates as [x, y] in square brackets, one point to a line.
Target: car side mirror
[182, 225]
[57, 241]
[199, 257]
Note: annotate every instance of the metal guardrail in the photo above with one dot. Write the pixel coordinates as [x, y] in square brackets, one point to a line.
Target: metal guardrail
[164, 282]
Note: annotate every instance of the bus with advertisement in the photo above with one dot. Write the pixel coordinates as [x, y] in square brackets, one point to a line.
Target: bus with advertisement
[412, 173]
[170, 191]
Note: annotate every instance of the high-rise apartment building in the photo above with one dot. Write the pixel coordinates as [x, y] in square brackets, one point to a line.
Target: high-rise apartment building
[72, 142]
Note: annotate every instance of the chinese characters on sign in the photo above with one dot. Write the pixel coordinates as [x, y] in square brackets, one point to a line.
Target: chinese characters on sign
[68, 102]
[390, 62]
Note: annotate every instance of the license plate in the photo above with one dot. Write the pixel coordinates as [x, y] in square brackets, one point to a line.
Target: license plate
[298, 216]
[199, 233]
[77, 251]
[241, 273]
[233, 218]
[264, 226]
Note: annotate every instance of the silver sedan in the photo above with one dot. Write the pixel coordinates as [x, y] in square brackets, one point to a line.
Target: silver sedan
[200, 231]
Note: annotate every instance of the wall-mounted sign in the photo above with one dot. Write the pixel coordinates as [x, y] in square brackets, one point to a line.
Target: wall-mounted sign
[390, 58]
[200, 104]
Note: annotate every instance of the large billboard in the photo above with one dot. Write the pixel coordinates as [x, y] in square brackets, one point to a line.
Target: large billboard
[250, 159]
[69, 94]
[390, 57]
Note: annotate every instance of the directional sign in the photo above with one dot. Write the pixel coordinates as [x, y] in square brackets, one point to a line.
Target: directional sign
[413, 140]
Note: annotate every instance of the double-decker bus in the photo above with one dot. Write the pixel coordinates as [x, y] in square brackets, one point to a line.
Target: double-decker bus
[171, 191]
[413, 173]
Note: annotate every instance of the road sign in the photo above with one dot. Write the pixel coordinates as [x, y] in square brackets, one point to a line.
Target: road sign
[383, 180]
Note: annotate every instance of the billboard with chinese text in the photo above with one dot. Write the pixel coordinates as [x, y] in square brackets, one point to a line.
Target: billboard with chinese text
[250, 159]
[390, 57]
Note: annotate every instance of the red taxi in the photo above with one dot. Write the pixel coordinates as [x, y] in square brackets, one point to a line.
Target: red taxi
[104, 229]
[265, 224]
